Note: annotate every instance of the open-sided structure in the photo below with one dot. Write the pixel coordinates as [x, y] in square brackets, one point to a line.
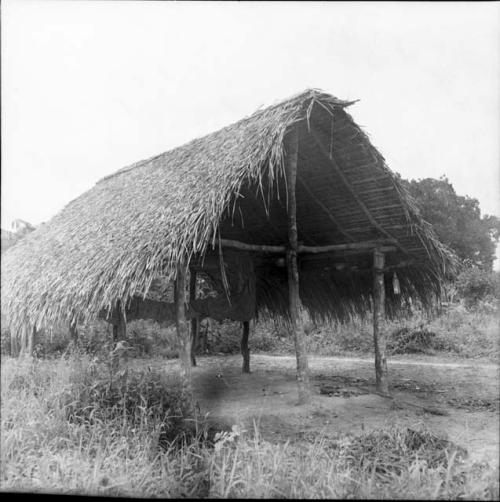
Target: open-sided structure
[295, 194]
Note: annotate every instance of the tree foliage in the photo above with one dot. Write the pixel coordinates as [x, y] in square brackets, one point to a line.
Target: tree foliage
[475, 285]
[457, 220]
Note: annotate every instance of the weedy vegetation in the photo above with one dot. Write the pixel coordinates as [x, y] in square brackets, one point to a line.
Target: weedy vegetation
[75, 424]
[455, 332]
[73, 421]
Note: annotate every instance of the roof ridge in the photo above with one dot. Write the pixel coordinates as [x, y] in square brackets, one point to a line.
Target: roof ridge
[304, 95]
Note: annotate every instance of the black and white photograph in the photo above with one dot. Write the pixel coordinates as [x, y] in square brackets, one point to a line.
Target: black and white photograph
[250, 249]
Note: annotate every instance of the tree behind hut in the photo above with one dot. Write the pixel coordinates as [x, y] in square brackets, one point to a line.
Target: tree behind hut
[457, 220]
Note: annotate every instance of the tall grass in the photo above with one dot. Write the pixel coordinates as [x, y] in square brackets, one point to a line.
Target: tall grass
[470, 333]
[255, 468]
[66, 428]
[455, 332]
[69, 426]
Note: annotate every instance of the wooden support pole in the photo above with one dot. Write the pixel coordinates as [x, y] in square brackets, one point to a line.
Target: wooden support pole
[245, 351]
[204, 336]
[27, 340]
[119, 334]
[22, 341]
[31, 341]
[14, 343]
[120, 327]
[183, 335]
[73, 332]
[291, 154]
[379, 337]
[194, 321]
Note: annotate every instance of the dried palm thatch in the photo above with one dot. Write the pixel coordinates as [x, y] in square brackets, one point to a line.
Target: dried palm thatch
[143, 221]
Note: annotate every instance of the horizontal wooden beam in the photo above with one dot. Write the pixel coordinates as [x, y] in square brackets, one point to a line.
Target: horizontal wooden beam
[384, 246]
[243, 246]
[351, 246]
[314, 262]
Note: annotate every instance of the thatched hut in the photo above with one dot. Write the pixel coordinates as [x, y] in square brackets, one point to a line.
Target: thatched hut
[296, 186]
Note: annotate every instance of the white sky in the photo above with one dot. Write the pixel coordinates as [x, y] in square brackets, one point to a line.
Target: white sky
[89, 87]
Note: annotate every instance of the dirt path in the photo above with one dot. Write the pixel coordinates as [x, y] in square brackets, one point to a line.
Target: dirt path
[457, 401]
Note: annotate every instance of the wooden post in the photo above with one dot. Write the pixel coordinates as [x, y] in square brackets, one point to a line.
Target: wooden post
[14, 343]
[204, 336]
[31, 341]
[119, 333]
[23, 341]
[194, 320]
[291, 154]
[120, 327]
[27, 341]
[379, 337]
[73, 332]
[245, 351]
[183, 335]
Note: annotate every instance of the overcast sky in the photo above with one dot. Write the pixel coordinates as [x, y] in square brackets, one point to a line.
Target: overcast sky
[89, 87]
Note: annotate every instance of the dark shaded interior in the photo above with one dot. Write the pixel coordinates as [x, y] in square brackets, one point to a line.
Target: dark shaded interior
[344, 195]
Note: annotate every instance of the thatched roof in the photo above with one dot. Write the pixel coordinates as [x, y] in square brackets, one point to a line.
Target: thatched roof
[145, 219]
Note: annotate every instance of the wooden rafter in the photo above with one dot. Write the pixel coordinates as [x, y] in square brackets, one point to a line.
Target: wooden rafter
[269, 221]
[353, 192]
[325, 209]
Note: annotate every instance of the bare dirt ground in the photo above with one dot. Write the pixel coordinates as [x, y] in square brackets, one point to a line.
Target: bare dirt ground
[458, 401]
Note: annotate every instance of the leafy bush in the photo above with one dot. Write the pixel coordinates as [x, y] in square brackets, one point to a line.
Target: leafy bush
[148, 338]
[94, 338]
[53, 344]
[475, 285]
[271, 336]
[407, 340]
[224, 336]
[468, 333]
